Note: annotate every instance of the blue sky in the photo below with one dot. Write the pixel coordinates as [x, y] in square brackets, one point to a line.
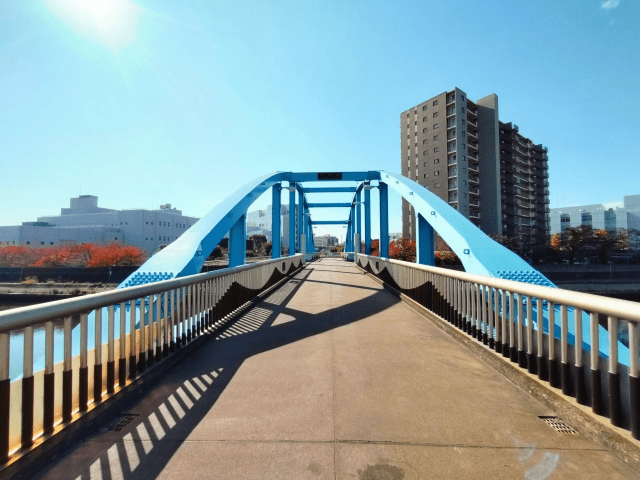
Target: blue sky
[150, 102]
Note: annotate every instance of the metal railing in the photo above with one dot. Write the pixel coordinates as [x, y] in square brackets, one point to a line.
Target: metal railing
[505, 316]
[117, 335]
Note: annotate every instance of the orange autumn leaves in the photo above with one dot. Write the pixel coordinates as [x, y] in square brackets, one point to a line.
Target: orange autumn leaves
[82, 255]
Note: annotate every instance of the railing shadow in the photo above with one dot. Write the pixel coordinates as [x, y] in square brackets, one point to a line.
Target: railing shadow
[175, 407]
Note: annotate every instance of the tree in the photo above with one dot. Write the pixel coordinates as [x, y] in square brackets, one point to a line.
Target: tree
[572, 240]
[375, 248]
[267, 248]
[403, 249]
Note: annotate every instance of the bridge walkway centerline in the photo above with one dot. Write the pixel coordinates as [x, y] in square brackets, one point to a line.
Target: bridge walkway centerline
[332, 376]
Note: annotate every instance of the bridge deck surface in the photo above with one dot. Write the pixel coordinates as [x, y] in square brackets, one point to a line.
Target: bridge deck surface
[333, 377]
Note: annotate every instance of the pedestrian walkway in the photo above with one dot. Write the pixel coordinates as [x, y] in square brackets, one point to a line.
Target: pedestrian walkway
[332, 377]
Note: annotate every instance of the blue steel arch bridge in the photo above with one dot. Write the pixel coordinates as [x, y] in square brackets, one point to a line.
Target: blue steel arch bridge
[499, 299]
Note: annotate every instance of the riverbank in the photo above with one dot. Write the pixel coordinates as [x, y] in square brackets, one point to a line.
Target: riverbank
[14, 295]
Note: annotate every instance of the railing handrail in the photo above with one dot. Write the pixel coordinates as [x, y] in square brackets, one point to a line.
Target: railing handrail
[623, 309]
[33, 315]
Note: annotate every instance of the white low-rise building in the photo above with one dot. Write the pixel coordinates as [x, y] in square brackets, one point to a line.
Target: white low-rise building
[84, 222]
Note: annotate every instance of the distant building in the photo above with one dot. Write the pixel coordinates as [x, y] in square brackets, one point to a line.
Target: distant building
[84, 222]
[325, 241]
[259, 222]
[607, 216]
[482, 167]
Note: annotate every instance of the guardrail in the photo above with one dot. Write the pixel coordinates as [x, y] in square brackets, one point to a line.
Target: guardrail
[117, 335]
[505, 316]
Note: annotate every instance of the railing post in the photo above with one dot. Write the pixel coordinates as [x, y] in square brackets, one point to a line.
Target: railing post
[27, 389]
[275, 220]
[615, 410]
[634, 384]
[49, 381]
[384, 220]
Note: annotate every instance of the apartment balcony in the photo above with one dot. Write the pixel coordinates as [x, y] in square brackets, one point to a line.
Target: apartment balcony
[473, 158]
[472, 113]
[451, 135]
[451, 123]
[451, 112]
[474, 191]
[473, 181]
[472, 124]
[473, 146]
[451, 147]
[472, 136]
[451, 100]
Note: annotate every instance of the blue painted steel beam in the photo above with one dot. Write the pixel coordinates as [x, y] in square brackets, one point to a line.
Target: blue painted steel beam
[292, 222]
[298, 177]
[367, 221]
[330, 189]
[275, 220]
[359, 220]
[384, 220]
[425, 245]
[300, 215]
[329, 222]
[327, 205]
[238, 243]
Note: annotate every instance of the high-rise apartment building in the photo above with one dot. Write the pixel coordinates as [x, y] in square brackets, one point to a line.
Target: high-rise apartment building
[484, 168]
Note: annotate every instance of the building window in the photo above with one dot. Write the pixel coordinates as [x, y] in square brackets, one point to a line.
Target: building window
[424, 153]
[437, 184]
[408, 136]
[586, 218]
[415, 134]
[436, 173]
[28, 243]
[435, 125]
[424, 119]
[50, 243]
[147, 223]
[435, 137]
[424, 130]
[437, 160]
[41, 243]
[462, 97]
[436, 149]
[424, 108]
[435, 102]
[407, 115]
[426, 175]
[435, 114]
[424, 141]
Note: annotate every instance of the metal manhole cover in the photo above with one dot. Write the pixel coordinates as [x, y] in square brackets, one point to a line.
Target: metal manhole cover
[558, 425]
[123, 421]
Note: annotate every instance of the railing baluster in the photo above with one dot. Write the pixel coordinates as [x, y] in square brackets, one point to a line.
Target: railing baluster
[189, 290]
[122, 357]
[505, 337]
[151, 334]
[142, 357]
[615, 410]
[531, 364]
[552, 365]
[522, 357]
[634, 383]
[596, 375]
[565, 374]
[48, 404]
[513, 349]
[111, 362]
[581, 393]
[27, 389]
[172, 324]
[485, 314]
[133, 343]
[499, 326]
[83, 392]
[67, 374]
[97, 351]
[158, 328]
[542, 365]
[5, 398]
[492, 310]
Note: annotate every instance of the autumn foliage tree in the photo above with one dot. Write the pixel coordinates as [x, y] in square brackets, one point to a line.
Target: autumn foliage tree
[403, 249]
[82, 255]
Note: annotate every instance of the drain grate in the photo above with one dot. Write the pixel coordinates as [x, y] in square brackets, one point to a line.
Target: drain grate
[558, 425]
[123, 421]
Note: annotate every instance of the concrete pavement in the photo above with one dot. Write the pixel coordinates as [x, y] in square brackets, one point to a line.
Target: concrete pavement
[333, 377]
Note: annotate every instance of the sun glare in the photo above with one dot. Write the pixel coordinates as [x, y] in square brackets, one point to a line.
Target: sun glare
[113, 22]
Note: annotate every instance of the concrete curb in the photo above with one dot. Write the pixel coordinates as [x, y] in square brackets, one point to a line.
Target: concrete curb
[616, 440]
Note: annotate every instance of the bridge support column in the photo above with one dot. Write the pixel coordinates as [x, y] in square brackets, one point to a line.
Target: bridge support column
[292, 221]
[358, 221]
[300, 228]
[384, 220]
[275, 221]
[425, 245]
[303, 251]
[238, 242]
[367, 221]
[357, 243]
